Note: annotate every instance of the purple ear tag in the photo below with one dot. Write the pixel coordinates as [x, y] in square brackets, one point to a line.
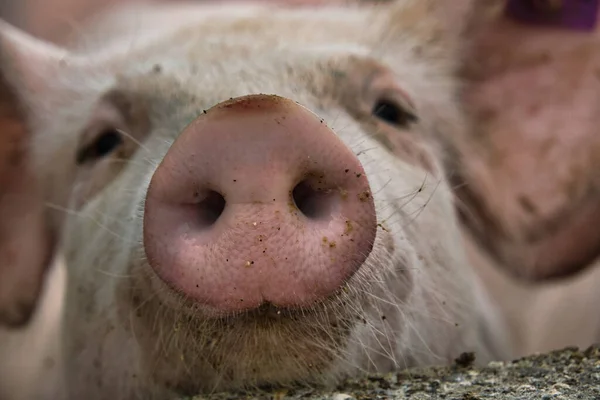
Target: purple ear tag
[578, 15]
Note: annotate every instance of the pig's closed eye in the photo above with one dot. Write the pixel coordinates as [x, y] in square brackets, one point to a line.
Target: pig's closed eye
[105, 143]
[393, 113]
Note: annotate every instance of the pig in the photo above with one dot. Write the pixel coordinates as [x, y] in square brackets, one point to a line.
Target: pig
[35, 184]
[25, 232]
[29, 310]
[526, 176]
[260, 196]
[34, 190]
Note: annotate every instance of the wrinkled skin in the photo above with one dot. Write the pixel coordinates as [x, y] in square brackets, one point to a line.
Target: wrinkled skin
[124, 337]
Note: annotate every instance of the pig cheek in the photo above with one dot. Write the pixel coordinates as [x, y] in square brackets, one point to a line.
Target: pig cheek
[90, 181]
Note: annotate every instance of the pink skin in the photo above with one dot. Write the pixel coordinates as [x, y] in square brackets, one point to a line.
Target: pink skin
[269, 244]
[534, 93]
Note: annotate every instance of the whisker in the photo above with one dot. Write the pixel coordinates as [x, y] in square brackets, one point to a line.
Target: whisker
[134, 140]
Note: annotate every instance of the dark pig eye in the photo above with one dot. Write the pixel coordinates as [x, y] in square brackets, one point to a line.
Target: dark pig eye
[105, 144]
[392, 113]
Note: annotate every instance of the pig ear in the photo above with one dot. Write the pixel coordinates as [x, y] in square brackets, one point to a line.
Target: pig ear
[434, 21]
[26, 238]
[28, 64]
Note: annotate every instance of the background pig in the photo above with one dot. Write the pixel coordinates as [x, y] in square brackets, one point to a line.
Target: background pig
[379, 279]
[530, 176]
[26, 234]
[36, 181]
[533, 97]
[32, 189]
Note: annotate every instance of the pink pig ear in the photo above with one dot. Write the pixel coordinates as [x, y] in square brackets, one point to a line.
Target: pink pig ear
[27, 241]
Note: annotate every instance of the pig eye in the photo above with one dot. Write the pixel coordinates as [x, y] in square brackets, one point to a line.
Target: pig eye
[393, 113]
[105, 143]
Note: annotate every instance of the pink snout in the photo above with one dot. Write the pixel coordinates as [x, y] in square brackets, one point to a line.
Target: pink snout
[258, 201]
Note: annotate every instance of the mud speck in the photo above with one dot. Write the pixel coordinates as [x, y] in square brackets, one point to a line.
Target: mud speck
[292, 207]
[349, 228]
[364, 196]
[465, 360]
[330, 243]
[383, 228]
[343, 194]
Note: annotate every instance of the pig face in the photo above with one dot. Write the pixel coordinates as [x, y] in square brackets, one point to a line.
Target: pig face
[262, 200]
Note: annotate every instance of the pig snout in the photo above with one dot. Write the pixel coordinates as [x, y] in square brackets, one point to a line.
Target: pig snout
[258, 202]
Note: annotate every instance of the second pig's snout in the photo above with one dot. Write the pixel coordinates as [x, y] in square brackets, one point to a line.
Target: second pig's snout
[258, 201]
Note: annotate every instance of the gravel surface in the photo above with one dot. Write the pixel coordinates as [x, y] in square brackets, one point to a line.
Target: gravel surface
[565, 374]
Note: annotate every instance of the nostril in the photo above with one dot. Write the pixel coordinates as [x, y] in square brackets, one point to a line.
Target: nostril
[314, 203]
[211, 208]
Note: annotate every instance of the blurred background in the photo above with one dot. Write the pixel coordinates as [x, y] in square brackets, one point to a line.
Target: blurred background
[55, 19]
[50, 19]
